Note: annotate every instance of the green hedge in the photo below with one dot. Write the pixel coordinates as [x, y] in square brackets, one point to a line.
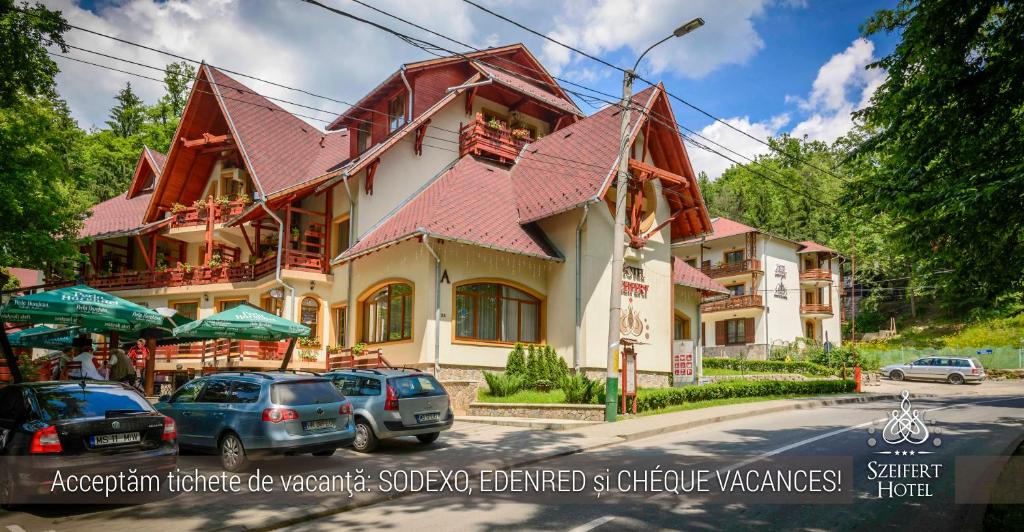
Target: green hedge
[769, 366]
[653, 399]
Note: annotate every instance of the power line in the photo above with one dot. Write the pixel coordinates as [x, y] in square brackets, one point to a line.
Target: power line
[681, 100]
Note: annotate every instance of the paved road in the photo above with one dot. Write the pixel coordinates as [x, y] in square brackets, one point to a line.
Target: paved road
[987, 427]
[967, 424]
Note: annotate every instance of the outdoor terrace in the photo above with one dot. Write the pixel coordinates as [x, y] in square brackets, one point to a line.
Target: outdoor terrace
[816, 276]
[731, 268]
[733, 303]
[200, 212]
[494, 139]
[816, 308]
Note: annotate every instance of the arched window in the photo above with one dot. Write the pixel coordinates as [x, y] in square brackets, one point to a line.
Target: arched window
[681, 327]
[387, 314]
[497, 313]
[309, 315]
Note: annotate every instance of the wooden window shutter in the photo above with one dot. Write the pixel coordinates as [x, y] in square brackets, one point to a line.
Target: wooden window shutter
[720, 333]
[703, 337]
[748, 330]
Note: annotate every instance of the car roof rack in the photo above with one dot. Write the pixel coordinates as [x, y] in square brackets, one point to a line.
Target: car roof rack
[294, 371]
[241, 373]
[368, 370]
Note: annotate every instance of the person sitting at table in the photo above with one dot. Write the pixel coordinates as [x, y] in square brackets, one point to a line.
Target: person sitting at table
[87, 365]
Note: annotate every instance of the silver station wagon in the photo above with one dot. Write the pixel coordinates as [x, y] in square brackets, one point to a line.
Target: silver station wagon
[954, 370]
[392, 402]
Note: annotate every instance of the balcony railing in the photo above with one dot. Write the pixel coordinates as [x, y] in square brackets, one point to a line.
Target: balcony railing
[222, 350]
[195, 275]
[815, 308]
[733, 303]
[200, 213]
[481, 139]
[732, 268]
[346, 359]
[815, 275]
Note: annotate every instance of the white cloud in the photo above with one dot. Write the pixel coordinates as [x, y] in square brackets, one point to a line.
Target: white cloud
[713, 164]
[605, 26]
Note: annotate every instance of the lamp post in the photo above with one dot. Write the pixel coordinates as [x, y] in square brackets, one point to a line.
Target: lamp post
[611, 394]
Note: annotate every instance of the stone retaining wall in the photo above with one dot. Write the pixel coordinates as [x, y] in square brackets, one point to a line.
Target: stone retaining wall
[760, 377]
[538, 410]
[461, 394]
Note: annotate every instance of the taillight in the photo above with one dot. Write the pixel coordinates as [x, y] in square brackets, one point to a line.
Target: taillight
[277, 415]
[170, 430]
[975, 371]
[392, 401]
[346, 409]
[46, 441]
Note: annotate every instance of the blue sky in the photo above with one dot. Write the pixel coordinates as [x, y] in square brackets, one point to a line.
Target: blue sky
[765, 66]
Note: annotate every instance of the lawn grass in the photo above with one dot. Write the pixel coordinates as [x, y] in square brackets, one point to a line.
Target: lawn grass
[523, 396]
[714, 402]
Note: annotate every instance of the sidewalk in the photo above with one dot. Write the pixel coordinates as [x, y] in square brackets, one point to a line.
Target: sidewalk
[468, 446]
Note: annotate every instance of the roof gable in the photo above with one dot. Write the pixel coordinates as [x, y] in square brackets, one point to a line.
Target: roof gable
[685, 275]
[472, 203]
[151, 163]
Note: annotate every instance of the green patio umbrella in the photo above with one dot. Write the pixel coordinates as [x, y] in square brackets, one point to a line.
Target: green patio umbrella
[83, 306]
[44, 337]
[74, 305]
[246, 322]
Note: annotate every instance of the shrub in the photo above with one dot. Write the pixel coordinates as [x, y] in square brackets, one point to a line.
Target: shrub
[653, 399]
[516, 363]
[579, 389]
[769, 366]
[503, 384]
[534, 371]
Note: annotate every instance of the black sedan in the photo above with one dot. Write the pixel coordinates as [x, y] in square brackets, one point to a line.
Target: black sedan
[82, 430]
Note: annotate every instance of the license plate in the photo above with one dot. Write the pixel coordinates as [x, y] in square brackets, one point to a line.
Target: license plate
[101, 440]
[428, 418]
[320, 424]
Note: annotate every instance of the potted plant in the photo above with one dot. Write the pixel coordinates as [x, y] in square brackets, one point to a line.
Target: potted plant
[296, 233]
[494, 123]
[215, 262]
[307, 355]
[177, 207]
[520, 133]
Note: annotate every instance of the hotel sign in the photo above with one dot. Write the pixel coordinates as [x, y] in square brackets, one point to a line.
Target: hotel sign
[633, 282]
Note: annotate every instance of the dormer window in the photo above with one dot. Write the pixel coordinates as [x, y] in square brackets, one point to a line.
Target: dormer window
[396, 113]
[363, 136]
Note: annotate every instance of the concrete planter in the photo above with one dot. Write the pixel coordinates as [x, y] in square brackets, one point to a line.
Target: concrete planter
[538, 410]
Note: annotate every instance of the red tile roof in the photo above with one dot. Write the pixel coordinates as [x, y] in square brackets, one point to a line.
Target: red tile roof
[473, 203]
[809, 246]
[27, 277]
[524, 87]
[572, 165]
[686, 275]
[116, 215]
[157, 158]
[281, 150]
[722, 228]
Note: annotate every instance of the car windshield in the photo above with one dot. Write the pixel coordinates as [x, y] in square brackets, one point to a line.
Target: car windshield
[416, 386]
[309, 392]
[76, 403]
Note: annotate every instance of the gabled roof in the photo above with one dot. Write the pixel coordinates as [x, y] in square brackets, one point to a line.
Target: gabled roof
[281, 149]
[526, 88]
[116, 216]
[278, 149]
[573, 165]
[151, 162]
[685, 275]
[722, 227]
[472, 203]
[394, 80]
[809, 246]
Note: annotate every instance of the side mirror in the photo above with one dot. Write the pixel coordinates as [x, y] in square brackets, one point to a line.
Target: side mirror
[164, 398]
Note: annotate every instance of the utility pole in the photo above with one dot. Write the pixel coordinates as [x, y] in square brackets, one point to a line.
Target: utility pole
[618, 238]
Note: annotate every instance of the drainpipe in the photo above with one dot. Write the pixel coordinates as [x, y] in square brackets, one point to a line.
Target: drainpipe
[408, 87]
[698, 349]
[437, 305]
[351, 242]
[280, 250]
[576, 358]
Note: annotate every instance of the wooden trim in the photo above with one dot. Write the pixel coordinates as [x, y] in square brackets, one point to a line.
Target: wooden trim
[365, 294]
[197, 302]
[541, 312]
[334, 329]
[227, 299]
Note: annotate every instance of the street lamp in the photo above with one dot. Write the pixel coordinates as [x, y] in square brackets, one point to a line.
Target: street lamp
[615, 311]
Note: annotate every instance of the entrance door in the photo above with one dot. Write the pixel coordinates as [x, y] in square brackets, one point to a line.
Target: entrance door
[809, 330]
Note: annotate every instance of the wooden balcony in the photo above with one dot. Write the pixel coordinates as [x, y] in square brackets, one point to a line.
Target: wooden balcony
[199, 214]
[816, 308]
[816, 276]
[732, 268]
[733, 303]
[347, 359]
[479, 138]
[194, 275]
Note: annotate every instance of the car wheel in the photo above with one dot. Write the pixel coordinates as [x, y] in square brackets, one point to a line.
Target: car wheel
[232, 454]
[896, 375]
[366, 441]
[955, 378]
[426, 439]
[328, 452]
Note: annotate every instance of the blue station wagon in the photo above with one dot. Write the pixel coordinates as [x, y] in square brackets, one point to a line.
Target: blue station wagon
[241, 414]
